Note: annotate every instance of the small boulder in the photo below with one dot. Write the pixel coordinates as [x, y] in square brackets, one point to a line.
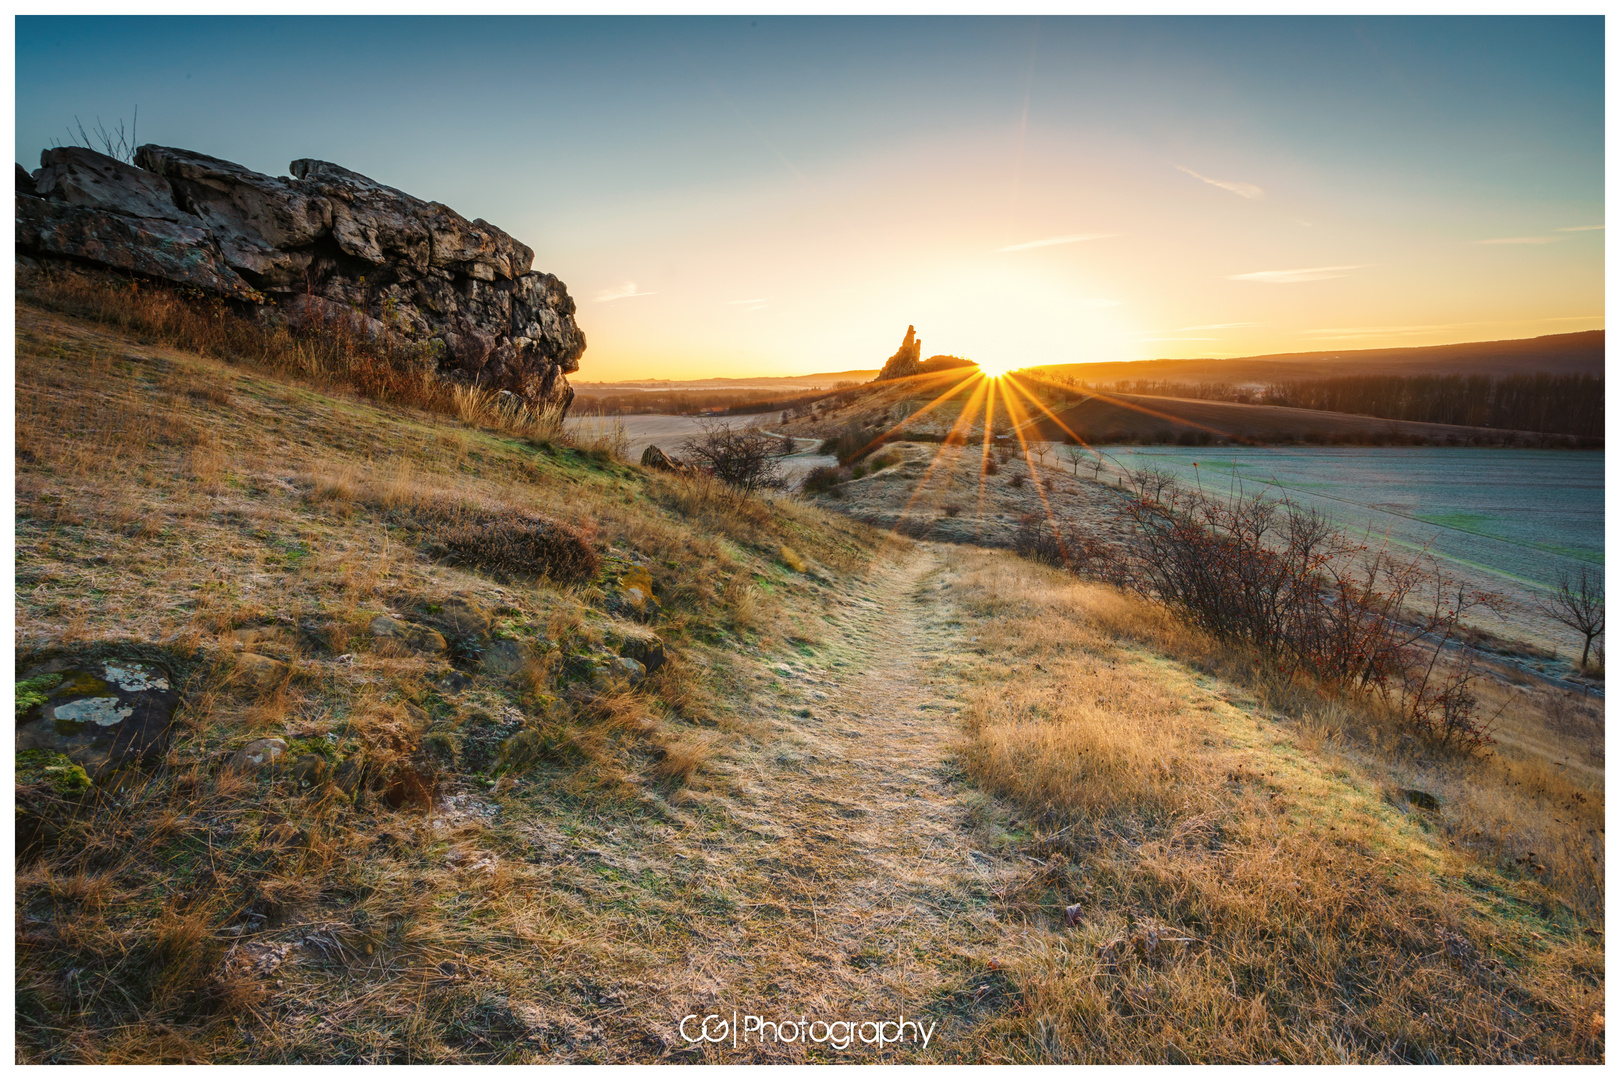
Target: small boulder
[408, 636]
[619, 671]
[634, 598]
[310, 770]
[654, 458]
[101, 715]
[504, 658]
[259, 672]
[260, 754]
[647, 651]
[1422, 800]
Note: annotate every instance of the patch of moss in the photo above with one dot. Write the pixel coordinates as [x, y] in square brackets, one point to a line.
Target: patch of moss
[31, 692]
[59, 771]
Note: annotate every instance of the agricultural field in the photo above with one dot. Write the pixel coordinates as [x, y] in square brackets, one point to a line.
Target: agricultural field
[1503, 520]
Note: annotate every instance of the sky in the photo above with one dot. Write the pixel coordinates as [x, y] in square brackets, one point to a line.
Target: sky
[736, 196]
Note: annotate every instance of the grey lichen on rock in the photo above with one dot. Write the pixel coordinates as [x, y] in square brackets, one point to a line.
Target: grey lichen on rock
[102, 716]
[327, 245]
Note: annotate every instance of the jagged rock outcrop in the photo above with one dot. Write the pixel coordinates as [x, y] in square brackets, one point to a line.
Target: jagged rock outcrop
[906, 359]
[325, 244]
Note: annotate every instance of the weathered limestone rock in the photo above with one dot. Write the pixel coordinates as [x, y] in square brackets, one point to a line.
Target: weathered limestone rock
[328, 245]
[152, 247]
[905, 360]
[80, 177]
[102, 716]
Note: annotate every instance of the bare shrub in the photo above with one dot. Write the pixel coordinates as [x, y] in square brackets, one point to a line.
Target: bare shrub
[507, 539]
[1289, 584]
[1577, 602]
[745, 459]
[824, 478]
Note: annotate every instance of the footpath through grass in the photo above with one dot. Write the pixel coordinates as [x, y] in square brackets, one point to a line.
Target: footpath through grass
[872, 778]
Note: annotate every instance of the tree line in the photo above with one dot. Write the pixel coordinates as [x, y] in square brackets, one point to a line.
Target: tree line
[1551, 404]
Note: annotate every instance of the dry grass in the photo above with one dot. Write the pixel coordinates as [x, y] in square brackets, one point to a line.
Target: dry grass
[531, 868]
[215, 916]
[1248, 889]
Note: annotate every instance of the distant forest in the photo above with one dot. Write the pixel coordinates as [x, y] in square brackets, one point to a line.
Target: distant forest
[1553, 404]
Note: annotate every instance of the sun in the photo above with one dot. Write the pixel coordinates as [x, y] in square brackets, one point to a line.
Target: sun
[995, 369]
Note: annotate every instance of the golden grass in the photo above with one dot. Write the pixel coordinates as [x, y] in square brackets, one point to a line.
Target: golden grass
[173, 518]
[770, 813]
[1252, 889]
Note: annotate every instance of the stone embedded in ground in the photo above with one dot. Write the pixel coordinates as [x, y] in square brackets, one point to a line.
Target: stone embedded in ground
[647, 651]
[309, 770]
[634, 599]
[654, 458]
[1421, 799]
[503, 657]
[617, 672]
[329, 247]
[408, 636]
[101, 715]
[260, 754]
[259, 672]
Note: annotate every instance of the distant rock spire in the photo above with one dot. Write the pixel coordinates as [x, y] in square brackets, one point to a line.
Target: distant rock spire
[906, 360]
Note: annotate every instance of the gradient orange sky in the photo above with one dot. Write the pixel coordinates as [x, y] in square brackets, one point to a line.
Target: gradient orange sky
[773, 196]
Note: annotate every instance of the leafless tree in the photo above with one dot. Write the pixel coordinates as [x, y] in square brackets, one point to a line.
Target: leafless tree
[746, 459]
[1577, 602]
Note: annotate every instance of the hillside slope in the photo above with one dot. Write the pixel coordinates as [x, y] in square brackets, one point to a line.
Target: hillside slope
[870, 777]
[1579, 353]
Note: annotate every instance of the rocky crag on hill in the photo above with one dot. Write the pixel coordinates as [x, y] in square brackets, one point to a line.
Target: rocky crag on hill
[324, 244]
[907, 361]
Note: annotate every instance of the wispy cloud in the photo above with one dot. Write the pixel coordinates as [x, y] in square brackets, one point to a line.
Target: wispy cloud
[1100, 301]
[1579, 228]
[1145, 339]
[756, 300]
[1519, 240]
[1214, 326]
[1236, 187]
[1293, 277]
[621, 292]
[1053, 241]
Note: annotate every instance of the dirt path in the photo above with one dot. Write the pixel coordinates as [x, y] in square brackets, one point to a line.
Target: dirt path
[859, 890]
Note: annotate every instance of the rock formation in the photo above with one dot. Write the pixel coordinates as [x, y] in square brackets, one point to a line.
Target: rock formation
[905, 360]
[323, 244]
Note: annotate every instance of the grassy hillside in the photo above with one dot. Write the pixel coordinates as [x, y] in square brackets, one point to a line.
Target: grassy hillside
[872, 776]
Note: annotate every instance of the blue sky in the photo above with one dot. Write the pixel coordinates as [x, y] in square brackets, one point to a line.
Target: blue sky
[729, 196]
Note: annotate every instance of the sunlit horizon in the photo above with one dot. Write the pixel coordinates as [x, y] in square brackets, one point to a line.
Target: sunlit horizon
[760, 197]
